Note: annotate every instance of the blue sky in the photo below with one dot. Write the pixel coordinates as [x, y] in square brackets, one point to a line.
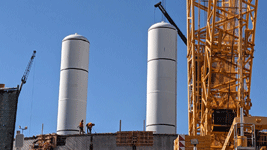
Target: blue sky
[117, 31]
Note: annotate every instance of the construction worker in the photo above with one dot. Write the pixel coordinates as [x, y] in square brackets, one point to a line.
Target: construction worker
[89, 127]
[81, 127]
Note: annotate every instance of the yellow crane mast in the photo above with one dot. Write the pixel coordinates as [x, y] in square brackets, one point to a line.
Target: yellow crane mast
[220, 47]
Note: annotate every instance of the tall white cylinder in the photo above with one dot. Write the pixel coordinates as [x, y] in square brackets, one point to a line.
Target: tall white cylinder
[161, 79]
[73, 84]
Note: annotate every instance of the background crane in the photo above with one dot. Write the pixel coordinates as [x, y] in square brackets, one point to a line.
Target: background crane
[27, 71]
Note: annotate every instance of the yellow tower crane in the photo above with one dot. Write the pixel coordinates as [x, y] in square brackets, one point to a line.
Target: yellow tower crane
[220, 47]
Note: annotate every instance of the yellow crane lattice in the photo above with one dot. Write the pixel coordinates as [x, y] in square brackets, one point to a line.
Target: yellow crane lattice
[220, 47]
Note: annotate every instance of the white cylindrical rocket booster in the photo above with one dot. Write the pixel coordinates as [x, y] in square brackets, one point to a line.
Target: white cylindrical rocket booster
[73, 84]
[161, 79]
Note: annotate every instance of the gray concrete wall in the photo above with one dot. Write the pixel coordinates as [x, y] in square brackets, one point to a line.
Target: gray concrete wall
[107, 141]
[8, 109]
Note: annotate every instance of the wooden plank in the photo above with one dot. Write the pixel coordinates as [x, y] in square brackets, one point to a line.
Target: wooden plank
[137, 138]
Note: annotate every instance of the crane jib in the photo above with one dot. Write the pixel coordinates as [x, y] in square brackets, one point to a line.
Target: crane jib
[171, 22]
[27, 71]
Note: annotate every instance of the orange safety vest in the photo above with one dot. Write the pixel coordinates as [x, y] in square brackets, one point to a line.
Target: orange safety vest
[81, 124]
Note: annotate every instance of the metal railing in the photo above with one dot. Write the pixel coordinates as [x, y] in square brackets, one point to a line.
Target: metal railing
[248, 141]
